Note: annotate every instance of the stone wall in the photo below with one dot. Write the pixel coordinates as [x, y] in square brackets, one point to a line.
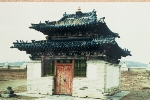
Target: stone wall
[13, 67]
[13, 74]
[135, 79]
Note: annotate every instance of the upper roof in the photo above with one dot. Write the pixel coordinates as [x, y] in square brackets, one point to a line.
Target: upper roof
[67, 20]
[74, 23]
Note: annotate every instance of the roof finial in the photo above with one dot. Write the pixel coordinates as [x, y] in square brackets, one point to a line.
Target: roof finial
[79, 9]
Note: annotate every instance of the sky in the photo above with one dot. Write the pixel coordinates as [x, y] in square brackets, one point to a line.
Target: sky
[131, 20]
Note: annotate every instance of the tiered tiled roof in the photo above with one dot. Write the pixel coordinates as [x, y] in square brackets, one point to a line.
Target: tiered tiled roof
[80, 34]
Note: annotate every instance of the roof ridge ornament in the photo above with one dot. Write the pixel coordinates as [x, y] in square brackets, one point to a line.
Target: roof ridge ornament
[79, 8]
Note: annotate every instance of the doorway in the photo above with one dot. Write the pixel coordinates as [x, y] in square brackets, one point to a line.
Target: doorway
[64, 76]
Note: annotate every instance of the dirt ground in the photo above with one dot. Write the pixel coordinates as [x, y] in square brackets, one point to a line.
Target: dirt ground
[20, 86]
[138, 95]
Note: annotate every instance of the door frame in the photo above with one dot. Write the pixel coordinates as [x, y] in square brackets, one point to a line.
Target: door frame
[55, 77]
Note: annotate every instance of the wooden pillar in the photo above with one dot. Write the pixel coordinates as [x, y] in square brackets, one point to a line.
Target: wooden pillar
[42, 65]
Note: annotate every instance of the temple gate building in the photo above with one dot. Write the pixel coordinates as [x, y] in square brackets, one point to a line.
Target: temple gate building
[79, 57]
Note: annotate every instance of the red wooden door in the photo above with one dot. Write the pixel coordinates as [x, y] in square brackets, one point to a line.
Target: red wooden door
[64, 75]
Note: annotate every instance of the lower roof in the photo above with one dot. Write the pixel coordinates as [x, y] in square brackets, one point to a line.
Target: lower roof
[73, 47]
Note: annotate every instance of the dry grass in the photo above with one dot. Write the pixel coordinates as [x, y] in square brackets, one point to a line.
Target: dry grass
[18, 86]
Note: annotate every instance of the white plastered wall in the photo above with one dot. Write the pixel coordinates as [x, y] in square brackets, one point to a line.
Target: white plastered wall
[93, 84]
[101, 77]
[36, 83]
[112, 78]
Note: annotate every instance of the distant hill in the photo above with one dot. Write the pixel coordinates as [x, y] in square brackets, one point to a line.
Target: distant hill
[133, 64]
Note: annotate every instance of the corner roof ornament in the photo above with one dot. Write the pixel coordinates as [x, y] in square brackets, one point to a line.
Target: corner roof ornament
[64, 14]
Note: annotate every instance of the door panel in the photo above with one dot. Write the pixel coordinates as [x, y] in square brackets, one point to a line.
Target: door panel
[64, 75]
